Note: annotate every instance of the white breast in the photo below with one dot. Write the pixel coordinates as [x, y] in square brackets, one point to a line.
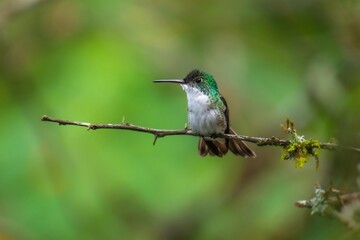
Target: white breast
[203, 118]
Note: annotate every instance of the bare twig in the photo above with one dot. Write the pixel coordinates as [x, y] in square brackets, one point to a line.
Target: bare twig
[341, 199]
[158, 133]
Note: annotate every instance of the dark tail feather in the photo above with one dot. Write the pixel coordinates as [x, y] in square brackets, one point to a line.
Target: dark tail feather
[213, 147]
[238, 147]
[203, 149]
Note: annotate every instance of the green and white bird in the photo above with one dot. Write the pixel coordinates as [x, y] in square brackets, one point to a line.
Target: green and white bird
[208, 115]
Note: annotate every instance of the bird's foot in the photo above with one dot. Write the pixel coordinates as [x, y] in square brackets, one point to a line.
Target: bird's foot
[213, 136]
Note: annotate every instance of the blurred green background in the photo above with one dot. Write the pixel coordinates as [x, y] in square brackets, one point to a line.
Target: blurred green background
[94, 61]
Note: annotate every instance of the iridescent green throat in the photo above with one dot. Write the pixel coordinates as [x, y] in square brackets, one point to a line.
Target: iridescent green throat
[209, 87]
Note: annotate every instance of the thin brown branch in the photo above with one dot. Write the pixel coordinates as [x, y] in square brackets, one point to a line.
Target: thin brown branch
[158, 133]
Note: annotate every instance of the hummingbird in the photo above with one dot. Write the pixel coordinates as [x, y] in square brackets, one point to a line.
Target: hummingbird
[208, 115]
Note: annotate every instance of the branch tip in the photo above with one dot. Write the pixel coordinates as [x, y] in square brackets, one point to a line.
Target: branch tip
[44, 118]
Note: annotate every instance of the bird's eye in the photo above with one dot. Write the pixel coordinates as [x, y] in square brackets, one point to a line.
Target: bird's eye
[199, 80]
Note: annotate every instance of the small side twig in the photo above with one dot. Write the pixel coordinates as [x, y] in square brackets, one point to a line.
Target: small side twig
[335, 203]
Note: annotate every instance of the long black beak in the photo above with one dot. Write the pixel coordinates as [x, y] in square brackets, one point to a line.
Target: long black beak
[179, 81]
